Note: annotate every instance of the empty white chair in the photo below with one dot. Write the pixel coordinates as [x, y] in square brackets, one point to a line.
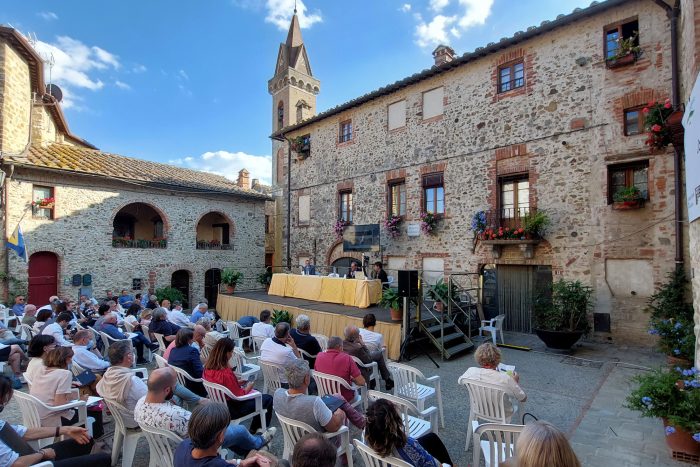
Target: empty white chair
[294, 429]
[499, 444]
[493, 326]
[372, 459]
[234, 332]
[374, 371]
[10, 322]
[126, 438]
[244, 369]
[162, 444]
[322, 341]
[331, 384]
[416, 423]
[406, 385]
[221, 393]
[487, 403]
[272, 373]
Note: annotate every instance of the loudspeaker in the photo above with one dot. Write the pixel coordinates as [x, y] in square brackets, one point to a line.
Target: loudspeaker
[408, 283]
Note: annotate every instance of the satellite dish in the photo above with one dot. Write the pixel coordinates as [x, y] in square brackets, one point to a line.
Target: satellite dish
[55, 92]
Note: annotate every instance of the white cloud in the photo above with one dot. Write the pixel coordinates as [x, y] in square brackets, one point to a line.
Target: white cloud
[138, 68]
[461, 17]
[434, 32]
[406, 7]
[229, 164]
[438, 5]
[48, 15]
[279, 13]
[122, 85]
[183, 74]
[476, 12]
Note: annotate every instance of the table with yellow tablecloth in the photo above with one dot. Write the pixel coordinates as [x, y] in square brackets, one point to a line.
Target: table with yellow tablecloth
[349, 292]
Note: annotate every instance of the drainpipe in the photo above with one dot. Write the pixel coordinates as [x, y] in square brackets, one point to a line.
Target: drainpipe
[673, 14]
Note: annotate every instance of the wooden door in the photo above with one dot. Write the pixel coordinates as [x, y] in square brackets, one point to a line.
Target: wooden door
[518, 286]
[43, 277]
[180, 280]
[212, 279]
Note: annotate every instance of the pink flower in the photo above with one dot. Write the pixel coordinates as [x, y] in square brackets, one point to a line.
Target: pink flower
[656, 127]
[645, 110]
[667, 105]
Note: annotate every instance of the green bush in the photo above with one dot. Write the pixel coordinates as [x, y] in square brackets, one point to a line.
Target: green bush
[231, 277]
[566, 309]
[535, 223]
[265, 277]
[279, 316]
[390, 299]
[672, 317]
[169, 293]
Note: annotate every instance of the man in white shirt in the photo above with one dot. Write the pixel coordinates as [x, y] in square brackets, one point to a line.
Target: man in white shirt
[280, 349]
[373, 340]
[83, 353]
[53, 299]
[56, 329]
[176, 316]
[264, 328]
[120, 384]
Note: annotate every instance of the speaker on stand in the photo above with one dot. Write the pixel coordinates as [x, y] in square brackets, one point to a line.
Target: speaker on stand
[409, 289]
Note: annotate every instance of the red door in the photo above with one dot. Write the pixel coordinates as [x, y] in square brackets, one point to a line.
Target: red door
[43, 277]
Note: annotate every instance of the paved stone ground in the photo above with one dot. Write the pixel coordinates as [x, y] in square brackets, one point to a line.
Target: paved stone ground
[583, 396]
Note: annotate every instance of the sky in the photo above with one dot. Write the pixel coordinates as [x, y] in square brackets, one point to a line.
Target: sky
[185, 81]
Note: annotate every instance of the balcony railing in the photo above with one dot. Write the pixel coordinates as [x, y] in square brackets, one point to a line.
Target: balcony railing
[507, 217]
[122, 242]
[213, 245]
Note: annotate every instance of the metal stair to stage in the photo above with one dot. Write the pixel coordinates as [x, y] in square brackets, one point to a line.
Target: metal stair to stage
[445, 335]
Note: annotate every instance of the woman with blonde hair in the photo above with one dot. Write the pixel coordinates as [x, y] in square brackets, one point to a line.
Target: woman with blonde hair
[541, 444]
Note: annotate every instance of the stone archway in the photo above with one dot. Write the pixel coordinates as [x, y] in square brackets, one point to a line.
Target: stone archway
[336, 256]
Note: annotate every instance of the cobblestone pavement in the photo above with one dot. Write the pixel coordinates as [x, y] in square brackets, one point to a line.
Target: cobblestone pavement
[582, 395]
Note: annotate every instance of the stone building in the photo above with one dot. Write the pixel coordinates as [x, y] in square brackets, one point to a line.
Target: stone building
[548, 120]
[108, 221]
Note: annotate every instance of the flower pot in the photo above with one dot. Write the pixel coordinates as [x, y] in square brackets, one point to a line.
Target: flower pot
[682, 444]
[627, 205]
[559, 340]
[675, 361]
[396, 314]
[621, 61]
[675, 128]
[230, 289]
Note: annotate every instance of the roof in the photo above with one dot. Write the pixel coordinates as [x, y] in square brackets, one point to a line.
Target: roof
[520, 36]
[36, 68]
[87, 161]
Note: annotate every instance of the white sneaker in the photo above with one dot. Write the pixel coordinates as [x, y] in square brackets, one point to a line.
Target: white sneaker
[268, 435]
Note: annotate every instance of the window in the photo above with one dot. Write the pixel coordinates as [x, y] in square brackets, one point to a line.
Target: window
[268, 225]
[617, 35]
[515, 198]
[434, 193]
[628, 175]
[511, 76]
[433, 103]
[345, 206]
[397, 115]
[157, 227]
[345, 133]
[42, 202]
[280, 115]
[304, 209]
[397, 198]
[300, 115]
[634, 121]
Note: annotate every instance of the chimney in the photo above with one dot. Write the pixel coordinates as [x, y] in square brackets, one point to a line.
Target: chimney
[443, 54]
[243, 179]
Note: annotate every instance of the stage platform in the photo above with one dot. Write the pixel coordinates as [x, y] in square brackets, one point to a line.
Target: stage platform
[326, 318]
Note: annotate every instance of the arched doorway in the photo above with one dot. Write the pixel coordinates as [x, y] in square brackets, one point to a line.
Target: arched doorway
[139, 225]
[43, 277]
[212, 279]
[180, 280]
[342, 265]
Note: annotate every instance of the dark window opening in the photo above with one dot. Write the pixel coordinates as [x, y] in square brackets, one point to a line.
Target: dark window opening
[619, 38]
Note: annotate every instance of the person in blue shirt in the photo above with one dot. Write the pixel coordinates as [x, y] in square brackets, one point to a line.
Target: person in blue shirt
[199, 312]
[187, 357]
[18, 307]
[109, 327]
[125, 300]
[309, 269]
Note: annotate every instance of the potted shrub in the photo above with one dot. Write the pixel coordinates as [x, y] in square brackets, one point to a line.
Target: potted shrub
[390, 299]
[170, 293]
[656, 115]
[281, 316]
[302, 146]
[628, 198]
[265, 278]
[562, 318]
[534, 224]
[628, 50]
[674, 396]
[440, 293]
[230, 277]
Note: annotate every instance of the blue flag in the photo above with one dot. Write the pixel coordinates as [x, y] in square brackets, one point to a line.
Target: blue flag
[16, 242]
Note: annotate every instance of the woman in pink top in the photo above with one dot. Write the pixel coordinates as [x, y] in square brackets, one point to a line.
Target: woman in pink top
[217, 370]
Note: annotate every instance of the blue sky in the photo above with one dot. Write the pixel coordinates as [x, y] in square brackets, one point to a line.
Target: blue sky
[185, 82]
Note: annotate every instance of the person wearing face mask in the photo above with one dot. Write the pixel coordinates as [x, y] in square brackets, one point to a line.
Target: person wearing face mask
[85, 353]
[38, 346]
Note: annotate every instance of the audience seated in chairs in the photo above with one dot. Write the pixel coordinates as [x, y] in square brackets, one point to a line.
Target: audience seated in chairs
[314, 450]
[73, 451]
[53, 385]
[355, 346]
[43, 317]
[110, 328]
[177, 317]
[119, 383]
[281, 349]
[488, 356]
[199, 312]
[161, 325]
[541, 444]
[211, 336]
[157, 411]
[336, 362]
[186, 356]
[264, 327]
[29, 316]
[38, 346]
[57, 329]
[374, 341]
[385, 434]
[145, 319]
[217, 370]
[198, 336]
[294, 403]
[14, 355]
[85, 352]
[304, 340]
[206, 433]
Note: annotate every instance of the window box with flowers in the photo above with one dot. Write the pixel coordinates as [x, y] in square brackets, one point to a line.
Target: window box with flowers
[302, 146]
[627, 51]
[43, 208]
[128, 242]
[526, 236]
[663, 125]
[628, 198]
[428, 223]
[393, 226]
[339, 228]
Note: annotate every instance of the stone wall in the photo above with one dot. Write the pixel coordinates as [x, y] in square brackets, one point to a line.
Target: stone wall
[15, 100]
[563, 129]
[81, 233]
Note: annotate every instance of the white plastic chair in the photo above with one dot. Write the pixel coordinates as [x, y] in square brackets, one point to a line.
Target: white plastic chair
[244, 369]
[159, 442]
[322, 341]
[204, 353]
[406, 385]
[272, 373]
[162, 345]
[160, 361]
[234, 332]
[125, 439]
[257, 343]
[333, 274]
[416, 423]
[128, 326]
[494, 326]
[329, 385]
[293, 430]
[7, 319]
[374, 371]
[372, 459]
[487, 403]
[219, 393]
[499, 444]
[26, 332]
[183, 376]
[29, 405]
[108, 340]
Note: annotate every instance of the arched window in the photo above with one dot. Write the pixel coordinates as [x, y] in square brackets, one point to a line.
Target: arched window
[280, 115]
[214, 232]
[138, 225]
